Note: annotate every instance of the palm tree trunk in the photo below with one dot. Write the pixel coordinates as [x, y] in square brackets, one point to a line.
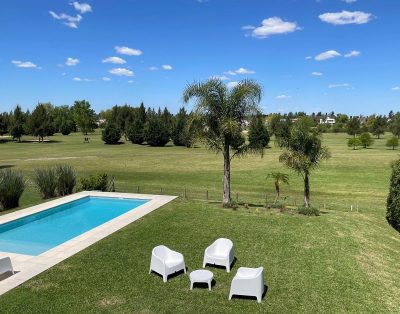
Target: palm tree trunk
[306, 190]
[227, 177]
[277, 191]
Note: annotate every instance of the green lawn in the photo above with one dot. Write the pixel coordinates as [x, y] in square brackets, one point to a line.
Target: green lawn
[343, 261]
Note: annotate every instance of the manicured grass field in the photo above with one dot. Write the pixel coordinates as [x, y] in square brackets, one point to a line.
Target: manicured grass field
[343, 261]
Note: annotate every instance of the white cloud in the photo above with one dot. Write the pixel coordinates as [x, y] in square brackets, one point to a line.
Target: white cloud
[79, 79]
[105, 78]
[339, 85]
[232, 84]
[349, 1]
[327, 55]
[317, 73]
[308, 58]
[121, 72]
[115, 60]
[153, 68]
[25, 64]
[230, 73]
[128, 51]
[272, 26]
[71, 62]
[220, 77]
[239, 71]
[351, 54]
[283, 96]
[396, 88]
[70, 21]
[81, 7]
[167, 67]
[346, 17]
[131, 82]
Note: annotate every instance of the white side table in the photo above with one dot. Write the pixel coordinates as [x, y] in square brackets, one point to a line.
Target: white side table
[201, 276]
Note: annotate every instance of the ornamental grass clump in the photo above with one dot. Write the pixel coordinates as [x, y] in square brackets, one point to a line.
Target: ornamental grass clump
[12, 185]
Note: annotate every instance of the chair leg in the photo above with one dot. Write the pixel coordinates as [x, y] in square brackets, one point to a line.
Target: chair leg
[184, 268]
[228, 268]
[230, 296]
[191, 285]
[165, 277]
[209, 285]
[259, 299]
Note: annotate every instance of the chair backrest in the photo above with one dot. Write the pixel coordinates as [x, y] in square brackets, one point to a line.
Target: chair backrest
[222, 245]
[5, 265]
[161, 251]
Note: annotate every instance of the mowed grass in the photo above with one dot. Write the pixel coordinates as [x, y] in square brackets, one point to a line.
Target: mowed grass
[343, 261]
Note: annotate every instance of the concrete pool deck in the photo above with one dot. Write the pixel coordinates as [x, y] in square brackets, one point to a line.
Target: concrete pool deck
[27, 266]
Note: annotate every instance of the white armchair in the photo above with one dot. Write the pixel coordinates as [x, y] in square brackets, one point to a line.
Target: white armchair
[165, 261]
[248, 282]
[220, 253]
[6, 266]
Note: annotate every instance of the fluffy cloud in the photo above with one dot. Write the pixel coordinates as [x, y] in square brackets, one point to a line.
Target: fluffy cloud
[346, 17]
[308, 58]
[317, 73]
[339, 85]
[239, 71]
[121, 72]
[327, 55]
[349, 1]
[220, 77]
[396, 88]
[128, 51]
[71, 62]
[106, 79]
[131, 82]
[78, 79]
[81, 7]
[232, 84]
[25, 64]
[271, 26]
[153, 68]
[68, 20]
[351, 54]
[167, 67]
[114, 60]
[283, 96]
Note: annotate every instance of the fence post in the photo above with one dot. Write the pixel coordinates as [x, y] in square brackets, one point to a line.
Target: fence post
[207, 195]
[237, 197]
[138, 189]
[161, 191]
[184, 193]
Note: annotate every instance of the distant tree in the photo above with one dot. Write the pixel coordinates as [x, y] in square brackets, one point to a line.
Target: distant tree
[135, 131]
[392, 142]
[354, 142]
[258, 133]
[63, 120]
[394, 125]
[180, 123]
[278, 178]
[343, 118]
[303, 153]
[282, 132]
[84, 116]
[156, 131]
[40, 122]
[142, 113]
[391, 114]
[220, 114]
[4, 123]
[393, 200]
[366, 139]
[111, 134]
[379, 126]
[353, 126]
[17, 123]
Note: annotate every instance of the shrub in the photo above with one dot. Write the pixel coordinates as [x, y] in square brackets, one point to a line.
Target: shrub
[12, 185]
[354, 142]
[393, 200]
[156, 131]
[46, 182]
[258, 132]
[392, 142]
[135, 132]
[66, 179]
[308, 211]
[99, 182]
[111, 134]
[366, 139]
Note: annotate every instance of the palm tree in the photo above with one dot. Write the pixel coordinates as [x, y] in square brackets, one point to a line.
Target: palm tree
[278, 178]
[303, 153]
[220, 115]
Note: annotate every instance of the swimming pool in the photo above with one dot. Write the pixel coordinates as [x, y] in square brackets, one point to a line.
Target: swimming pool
[42, 231]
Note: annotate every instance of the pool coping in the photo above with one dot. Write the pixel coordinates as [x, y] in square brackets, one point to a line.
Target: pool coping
[28, 266]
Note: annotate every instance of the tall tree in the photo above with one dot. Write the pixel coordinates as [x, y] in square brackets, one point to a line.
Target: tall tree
[393, 200]
[394, 125]
[379, 126]
[4, 123]
[220, 114]
[40, 122]
[84, 116]
[258, 132]
[17, 123]
[303, 153]
[180, 123]
[353, 126]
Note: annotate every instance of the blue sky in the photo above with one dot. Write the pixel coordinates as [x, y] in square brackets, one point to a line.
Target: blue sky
[309, 55]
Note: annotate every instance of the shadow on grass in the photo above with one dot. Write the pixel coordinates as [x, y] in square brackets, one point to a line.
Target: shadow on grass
[6, 166]
[244, 297]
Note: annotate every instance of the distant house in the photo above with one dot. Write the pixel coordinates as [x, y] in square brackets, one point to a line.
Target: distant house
[327, 120]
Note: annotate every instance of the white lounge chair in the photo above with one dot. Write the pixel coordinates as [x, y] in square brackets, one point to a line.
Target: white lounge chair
[6, 266]
[165, 261]
[248, 282]
[220, 253]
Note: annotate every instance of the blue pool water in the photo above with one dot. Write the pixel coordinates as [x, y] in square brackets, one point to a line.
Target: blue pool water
[37, 233]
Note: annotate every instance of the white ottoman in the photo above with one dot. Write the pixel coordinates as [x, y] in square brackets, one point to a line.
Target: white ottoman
[201, 276]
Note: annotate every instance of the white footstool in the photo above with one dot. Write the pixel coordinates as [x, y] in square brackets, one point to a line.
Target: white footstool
[201, 276]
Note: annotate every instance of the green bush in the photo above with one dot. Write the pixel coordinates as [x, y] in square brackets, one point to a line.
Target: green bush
[135, 132]
[308, 211]
[366, 139]
[392, 142]
[393, 200]
[156, 131]
[258, 132]
[66, 179]
[12, 185]
[99, 182]
[111, 135]
[46, 182]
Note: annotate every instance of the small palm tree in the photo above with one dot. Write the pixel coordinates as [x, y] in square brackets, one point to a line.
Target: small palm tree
[278, 178]
[220, 115]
